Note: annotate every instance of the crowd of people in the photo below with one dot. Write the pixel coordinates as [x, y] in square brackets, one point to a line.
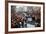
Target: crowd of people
[19, 19]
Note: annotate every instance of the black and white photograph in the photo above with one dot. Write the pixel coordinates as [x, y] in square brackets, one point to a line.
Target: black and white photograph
[25, 16]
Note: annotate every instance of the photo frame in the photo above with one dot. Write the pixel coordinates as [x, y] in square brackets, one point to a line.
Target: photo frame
[21, 7]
